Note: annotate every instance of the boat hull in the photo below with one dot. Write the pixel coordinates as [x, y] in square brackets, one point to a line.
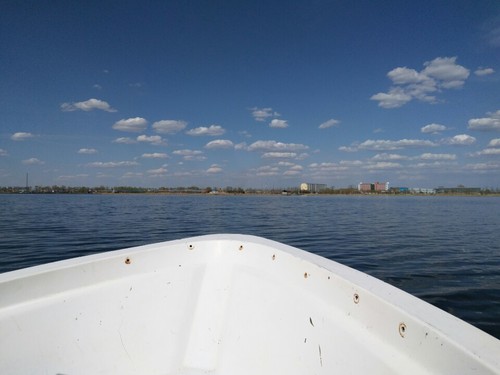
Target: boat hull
[225, 304]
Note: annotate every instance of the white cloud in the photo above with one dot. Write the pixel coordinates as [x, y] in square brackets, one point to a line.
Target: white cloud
[186, 152]
[433, 128]
[328, 124]
[484, 71]
[492, 150]
[387, 145]
[241, 146]
[327, 167]
[352, 163]
[492, 33]
[429, 156]
[276, 146]
[21, 136]
[382, 165]
[33, 161]
[494, 143]
[158, 172]
[195, 158]
[294, 171]
[302, 156]
[135, 124]
[87, 151]
[245, 134]
[3, 152]
[169, 126]
[191, 155]
[435, 165]
[492, 122]
[402, 76]
[267, 171]
[112, 164]
[153, 139]
[214, 168]
[482, 167]
[275, 123]
[385, 156]
[279, 155]
[212, 130]
[262, 114]
[125, 140]
[219, 143]
[448, 73]
[348, 148]
[88, 105]
[460, 140]
[155, 155]
[488, 152]
[438, 74]
[395, 98]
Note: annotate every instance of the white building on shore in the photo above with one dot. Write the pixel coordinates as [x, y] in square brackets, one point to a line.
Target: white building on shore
[312, 188]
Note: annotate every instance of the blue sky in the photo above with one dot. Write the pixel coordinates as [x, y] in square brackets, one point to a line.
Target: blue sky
[250, 94]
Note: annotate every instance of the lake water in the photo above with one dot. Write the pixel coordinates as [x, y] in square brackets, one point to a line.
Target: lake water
[445, 250]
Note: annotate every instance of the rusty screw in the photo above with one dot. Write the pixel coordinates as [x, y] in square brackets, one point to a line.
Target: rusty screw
[356, 298]
[402, 329]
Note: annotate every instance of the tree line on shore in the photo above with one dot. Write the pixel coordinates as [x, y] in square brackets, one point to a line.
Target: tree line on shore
[57, 189]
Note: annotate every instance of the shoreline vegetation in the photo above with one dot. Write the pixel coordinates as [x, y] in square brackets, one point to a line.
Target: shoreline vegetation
[194, 190]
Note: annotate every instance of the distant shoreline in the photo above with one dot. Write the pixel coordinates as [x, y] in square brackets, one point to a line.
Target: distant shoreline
[460, 190]
[269, 194]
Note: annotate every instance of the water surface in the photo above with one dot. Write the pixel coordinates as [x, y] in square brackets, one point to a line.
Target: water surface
[445, 250]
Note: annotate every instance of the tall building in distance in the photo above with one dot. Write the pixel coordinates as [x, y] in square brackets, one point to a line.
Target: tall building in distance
[367, 187]
[312, 188]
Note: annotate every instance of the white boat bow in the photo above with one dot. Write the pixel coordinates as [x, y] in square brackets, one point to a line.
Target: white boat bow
[225, 304]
